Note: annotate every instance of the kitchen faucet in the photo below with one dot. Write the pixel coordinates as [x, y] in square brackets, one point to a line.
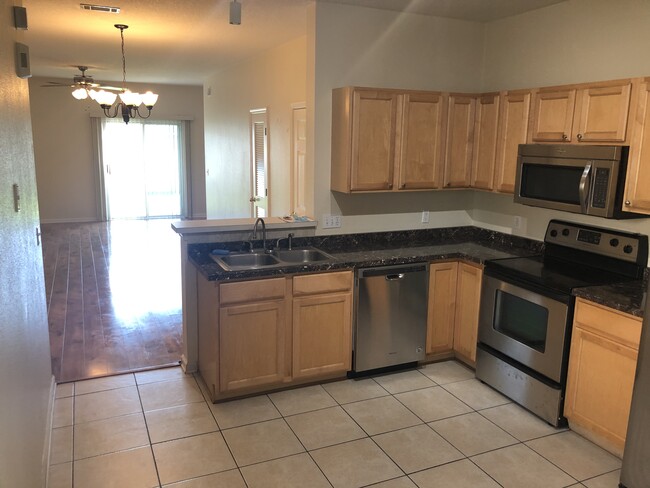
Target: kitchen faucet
[288, 239]
[258, 221]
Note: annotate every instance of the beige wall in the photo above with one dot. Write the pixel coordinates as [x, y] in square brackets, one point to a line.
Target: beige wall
[378, 48]
[25, 373]
[65, 170]
[574, 41]
[273, 80]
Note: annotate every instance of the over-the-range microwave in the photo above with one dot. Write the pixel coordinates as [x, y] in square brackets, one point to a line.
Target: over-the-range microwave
[588, 180]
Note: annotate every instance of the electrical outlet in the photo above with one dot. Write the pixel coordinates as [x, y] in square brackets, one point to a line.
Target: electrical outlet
[331, 221]
[518, 222]
[425, 216]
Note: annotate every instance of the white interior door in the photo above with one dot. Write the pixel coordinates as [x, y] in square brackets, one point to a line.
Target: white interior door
[259, 164]
[298, 154]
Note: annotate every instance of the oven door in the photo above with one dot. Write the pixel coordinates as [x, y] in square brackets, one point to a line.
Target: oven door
[524, 325]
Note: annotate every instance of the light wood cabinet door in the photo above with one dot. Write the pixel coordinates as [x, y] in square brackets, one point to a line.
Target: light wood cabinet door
[485, 141]
[460, 137]
[252, 349]
[322, 334]
[637, 185]
[602, 112]
[513, 130]
[602, 365]
[422, 140]
[552, 119]
[374, 118]
[468, 297]
[441, 307]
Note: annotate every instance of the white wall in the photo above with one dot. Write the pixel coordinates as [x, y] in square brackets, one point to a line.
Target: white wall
[65, 170]
[273, 80]
[571, 42]
[378, 48]
[25, 373]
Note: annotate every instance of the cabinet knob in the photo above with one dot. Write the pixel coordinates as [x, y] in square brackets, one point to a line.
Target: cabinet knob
[628, 203]
[564, 137]
[579, 136]
[390, 186]
[403, 185]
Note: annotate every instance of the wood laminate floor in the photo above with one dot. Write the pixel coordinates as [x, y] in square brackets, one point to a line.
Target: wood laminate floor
[114, 297]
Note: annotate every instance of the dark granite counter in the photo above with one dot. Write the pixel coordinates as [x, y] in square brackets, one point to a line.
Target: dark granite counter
[625, 297]
[378, 249]
[467, 243]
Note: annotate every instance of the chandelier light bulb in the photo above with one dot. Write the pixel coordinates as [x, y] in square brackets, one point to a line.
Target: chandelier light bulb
[149, 99]
[80, 94]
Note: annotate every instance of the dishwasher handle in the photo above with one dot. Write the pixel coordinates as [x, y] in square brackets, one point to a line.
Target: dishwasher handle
[391, 270]
[394, 277]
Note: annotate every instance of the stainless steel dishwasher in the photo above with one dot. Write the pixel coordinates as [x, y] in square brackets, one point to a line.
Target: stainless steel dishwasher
[391, 315]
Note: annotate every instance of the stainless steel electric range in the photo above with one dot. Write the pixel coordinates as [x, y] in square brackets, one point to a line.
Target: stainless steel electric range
[527, 306]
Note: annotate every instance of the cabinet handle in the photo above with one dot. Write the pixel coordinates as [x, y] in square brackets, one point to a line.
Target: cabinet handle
[564, 137]
[403, 185]
[628, 203]
[579, 136]
[390, 186]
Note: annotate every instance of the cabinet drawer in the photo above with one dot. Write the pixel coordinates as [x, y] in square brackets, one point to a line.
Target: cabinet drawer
[609, 323]
[322, 283]
[252, 291]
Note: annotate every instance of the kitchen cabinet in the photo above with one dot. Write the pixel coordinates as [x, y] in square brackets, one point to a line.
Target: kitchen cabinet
[485, 141]
[587, 113]
[637, 186]
[252, 334]
[322, 324]
[441, 307]
[468, 297]
[513, 130]
[602, 364]
[263, 334]
[421, 141]
[386, 140]
[459, 142]
[452, 321]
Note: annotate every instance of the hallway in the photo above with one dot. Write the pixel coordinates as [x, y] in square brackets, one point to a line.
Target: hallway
[114, 297]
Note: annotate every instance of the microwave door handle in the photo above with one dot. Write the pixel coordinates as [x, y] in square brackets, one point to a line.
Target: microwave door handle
[583, 188]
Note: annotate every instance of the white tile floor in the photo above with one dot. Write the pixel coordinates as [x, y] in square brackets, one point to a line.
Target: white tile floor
[432, 427]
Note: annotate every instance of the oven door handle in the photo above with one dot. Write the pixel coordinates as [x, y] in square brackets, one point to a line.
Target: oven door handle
[583, 188]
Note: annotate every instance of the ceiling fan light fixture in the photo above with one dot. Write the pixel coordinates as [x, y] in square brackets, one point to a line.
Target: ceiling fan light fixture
[80, 93]
[235, 13]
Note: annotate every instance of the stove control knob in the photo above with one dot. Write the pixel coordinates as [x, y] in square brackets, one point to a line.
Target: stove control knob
[553, 233]
[613, 242]
[565, 232]
[628, 249]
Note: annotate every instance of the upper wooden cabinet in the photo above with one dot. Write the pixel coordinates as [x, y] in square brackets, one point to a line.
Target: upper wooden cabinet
[385, 140]
[460, 139]
[421, 142]
[637, 185]
[602, 364]
[513, 130]
[485, 141]
[588, 113]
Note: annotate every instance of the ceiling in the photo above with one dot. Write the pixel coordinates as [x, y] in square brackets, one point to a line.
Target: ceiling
[185, 41]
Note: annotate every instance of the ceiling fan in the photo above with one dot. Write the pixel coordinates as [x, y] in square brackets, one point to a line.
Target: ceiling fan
[81, 84]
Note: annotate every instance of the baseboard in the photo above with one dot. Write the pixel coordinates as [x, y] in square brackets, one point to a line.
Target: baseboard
[188, 368]
[48, 433]
[78, 220]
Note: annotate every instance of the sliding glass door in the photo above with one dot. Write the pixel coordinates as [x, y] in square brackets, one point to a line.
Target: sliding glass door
[142, 165]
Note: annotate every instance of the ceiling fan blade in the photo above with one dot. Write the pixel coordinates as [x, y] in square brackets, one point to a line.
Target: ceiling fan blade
[57, 86]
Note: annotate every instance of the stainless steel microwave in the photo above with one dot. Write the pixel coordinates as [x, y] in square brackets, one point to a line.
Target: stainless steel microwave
[588, 180]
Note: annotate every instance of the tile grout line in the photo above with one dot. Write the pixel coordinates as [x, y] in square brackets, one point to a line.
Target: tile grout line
[146, 425]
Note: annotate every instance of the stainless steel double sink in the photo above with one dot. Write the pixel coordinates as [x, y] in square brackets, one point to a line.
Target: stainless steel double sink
[275, 259]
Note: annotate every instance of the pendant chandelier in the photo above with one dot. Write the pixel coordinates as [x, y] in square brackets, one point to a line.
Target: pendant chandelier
[129, 103]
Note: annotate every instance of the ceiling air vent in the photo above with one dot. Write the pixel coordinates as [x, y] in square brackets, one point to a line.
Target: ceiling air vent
[100, 8]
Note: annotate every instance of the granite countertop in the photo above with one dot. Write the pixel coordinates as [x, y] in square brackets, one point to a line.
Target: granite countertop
[378, 249]
[392, 248]
[626, 297]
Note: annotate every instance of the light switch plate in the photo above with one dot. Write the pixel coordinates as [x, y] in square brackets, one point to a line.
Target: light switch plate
[331, 221]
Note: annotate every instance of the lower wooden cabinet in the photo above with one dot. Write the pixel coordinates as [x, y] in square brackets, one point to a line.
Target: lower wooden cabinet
[261, 334]
[454, 298]
[602, 364]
